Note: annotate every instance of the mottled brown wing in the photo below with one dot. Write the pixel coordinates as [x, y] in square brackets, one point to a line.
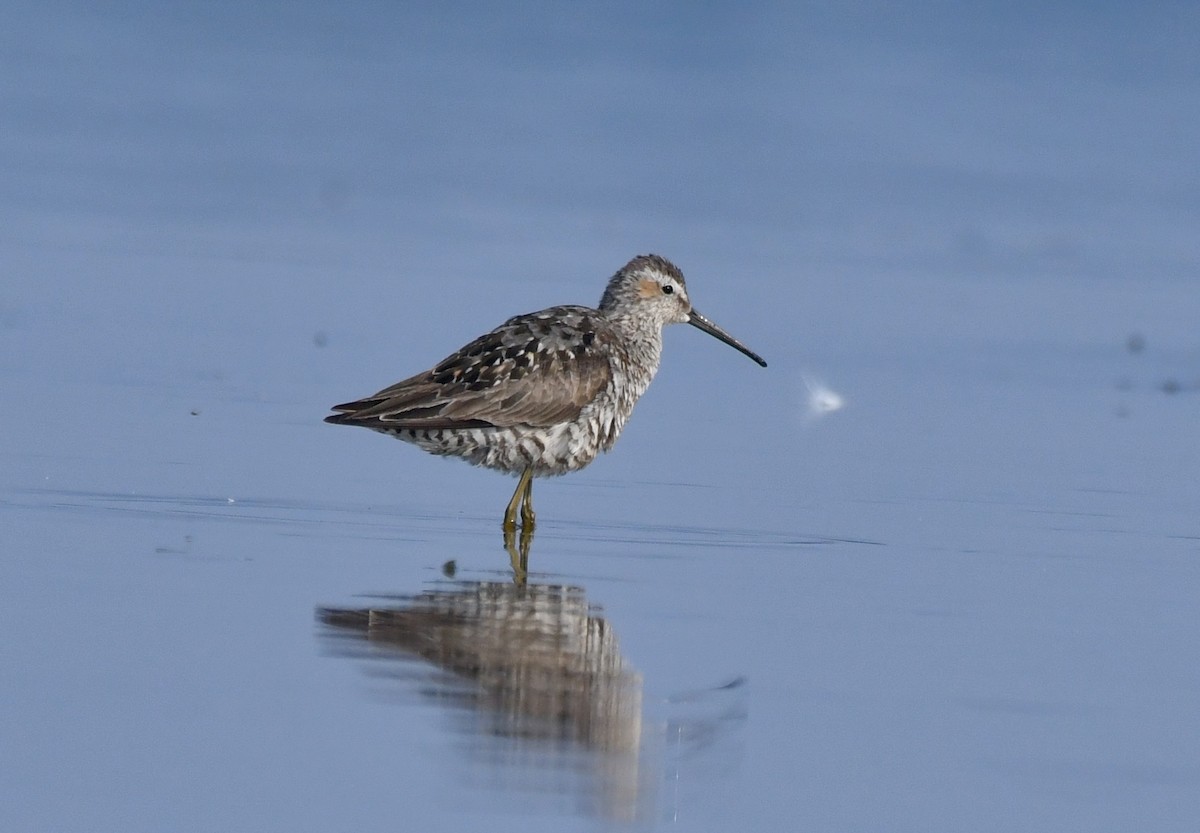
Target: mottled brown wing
[538, 369]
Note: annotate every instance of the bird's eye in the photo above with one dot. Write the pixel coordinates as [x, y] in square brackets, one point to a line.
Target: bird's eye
[668, 289]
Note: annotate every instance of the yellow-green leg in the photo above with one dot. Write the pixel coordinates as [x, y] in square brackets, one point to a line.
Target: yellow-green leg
[528, 520]
[523, 491]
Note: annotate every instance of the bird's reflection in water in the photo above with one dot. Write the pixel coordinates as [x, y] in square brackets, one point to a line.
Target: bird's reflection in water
[518, 552]
[538, 671]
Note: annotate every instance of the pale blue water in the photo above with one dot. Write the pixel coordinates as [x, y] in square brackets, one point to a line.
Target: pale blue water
[964, 601]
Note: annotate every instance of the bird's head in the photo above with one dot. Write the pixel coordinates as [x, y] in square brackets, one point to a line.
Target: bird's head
[651, 289]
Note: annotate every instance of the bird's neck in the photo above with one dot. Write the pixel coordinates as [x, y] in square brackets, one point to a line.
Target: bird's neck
[643, 345]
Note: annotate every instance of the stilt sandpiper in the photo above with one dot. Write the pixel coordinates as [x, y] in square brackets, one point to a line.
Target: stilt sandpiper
[543, 393]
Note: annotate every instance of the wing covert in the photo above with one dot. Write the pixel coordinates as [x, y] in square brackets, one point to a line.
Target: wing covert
[537, 370]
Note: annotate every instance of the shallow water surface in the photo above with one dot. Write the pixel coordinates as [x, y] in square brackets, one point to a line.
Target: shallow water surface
[963, 600]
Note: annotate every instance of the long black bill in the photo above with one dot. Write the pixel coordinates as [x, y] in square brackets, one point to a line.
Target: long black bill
[701, 323]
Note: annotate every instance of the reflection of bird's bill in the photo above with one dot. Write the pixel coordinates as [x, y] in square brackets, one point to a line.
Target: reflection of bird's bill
[701, 323]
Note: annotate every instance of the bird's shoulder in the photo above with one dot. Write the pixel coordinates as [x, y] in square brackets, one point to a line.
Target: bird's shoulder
[548, 338]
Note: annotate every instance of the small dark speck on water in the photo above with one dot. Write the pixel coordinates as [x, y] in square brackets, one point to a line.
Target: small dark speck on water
[1171, 386]
[450, 568]
[195, 412]
[320, 338]
[186, 549]
[1136, 343]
